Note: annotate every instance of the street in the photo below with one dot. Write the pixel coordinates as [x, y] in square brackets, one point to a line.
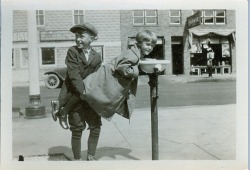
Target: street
[185, 133]
[170, 94]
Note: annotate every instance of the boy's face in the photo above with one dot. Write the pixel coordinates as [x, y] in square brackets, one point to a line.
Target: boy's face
[83, 39]
[147, 47]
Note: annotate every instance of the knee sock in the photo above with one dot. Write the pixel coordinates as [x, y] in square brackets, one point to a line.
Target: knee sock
[76, 144]
[93, 140]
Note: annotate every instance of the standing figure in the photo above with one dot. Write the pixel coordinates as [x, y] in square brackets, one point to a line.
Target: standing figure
[210, 57]
[81, 61]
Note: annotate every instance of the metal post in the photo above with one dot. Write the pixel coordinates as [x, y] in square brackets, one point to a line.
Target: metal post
[153, 83]
[35, 109]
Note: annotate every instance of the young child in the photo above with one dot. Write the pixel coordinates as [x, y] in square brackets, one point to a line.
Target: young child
[112, 88]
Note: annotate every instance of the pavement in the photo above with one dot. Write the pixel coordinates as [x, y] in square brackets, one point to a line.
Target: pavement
[185, 133]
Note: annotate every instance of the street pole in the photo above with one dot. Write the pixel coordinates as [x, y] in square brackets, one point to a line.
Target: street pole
[35, 108]
[153, 83]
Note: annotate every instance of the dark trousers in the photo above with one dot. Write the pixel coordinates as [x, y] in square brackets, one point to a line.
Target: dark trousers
[209, 70]
[77, 122]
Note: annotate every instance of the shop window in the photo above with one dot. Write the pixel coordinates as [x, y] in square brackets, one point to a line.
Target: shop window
[48, 56]
[211, 17]
[175, 17]
[24, 58]
[78, 17]
[145, 17]
[40, 17]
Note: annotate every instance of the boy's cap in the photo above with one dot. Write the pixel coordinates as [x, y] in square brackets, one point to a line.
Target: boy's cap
[85, 26]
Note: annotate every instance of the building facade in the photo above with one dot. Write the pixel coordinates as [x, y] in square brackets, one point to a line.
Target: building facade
[183, 46]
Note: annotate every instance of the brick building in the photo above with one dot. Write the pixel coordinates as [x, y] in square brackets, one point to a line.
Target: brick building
[183, 46]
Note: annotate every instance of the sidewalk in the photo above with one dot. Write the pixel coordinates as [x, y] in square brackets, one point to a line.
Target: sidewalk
[185, 133]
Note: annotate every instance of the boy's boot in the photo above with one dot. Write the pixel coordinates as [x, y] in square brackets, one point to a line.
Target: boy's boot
[63, 120]
[67, 109]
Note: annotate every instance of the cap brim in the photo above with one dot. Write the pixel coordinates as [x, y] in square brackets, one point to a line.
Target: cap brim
[74, 29]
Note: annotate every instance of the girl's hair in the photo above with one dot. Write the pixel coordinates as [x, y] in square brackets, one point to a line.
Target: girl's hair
[146, 35]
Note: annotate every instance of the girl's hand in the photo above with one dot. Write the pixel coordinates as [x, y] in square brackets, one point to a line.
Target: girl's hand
[158, 67]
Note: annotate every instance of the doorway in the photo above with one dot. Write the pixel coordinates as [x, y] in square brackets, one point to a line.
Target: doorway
[177, 59]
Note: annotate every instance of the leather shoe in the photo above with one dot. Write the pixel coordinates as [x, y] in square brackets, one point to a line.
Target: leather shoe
[54, 111]
[91, 158]
[63, 119]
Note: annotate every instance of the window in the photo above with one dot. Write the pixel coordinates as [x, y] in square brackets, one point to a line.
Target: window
[78, 17]
[40, 17]
[213, 17]
[13, 59]
[175, 17]
[145, 17]
[220, 16]
[24, 58]
[48, 56]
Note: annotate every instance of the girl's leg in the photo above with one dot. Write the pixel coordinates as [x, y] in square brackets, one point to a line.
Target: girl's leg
[64, 111]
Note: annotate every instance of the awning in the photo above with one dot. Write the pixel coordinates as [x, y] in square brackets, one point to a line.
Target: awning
[202, 32]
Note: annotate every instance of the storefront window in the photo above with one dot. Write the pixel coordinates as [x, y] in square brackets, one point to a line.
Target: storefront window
[24, 58]
[48, 56]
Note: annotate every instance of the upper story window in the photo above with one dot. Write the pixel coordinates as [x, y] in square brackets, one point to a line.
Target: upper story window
[78, 17]
[40, 17]
[175, 17]
[145, 17]
[213, 17]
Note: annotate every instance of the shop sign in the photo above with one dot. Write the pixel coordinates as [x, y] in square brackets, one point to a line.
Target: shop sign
[194, 20]
[61, 35]
[20, 36]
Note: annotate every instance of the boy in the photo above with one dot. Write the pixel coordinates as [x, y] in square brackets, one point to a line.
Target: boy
[109, 89]
[81, 61]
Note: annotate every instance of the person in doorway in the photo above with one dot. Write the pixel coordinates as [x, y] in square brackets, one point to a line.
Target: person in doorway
[210, 57]
[81, 61]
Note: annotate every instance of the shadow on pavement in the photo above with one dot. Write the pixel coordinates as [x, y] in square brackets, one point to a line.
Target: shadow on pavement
[63, 153]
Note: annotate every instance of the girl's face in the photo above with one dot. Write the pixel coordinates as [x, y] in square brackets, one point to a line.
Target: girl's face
[147, 47]
[83, 39]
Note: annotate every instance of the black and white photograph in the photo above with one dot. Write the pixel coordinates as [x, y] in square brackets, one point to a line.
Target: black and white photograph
[130, 86]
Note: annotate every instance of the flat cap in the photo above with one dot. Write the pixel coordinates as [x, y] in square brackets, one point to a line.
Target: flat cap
[85, 26]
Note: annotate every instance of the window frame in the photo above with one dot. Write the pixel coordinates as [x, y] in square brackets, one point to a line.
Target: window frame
[172, 16]
[39, 15]
[21, 59]
[74, 15]
[41, 59]
[13, 58]
[214, 16]
[144, 17]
